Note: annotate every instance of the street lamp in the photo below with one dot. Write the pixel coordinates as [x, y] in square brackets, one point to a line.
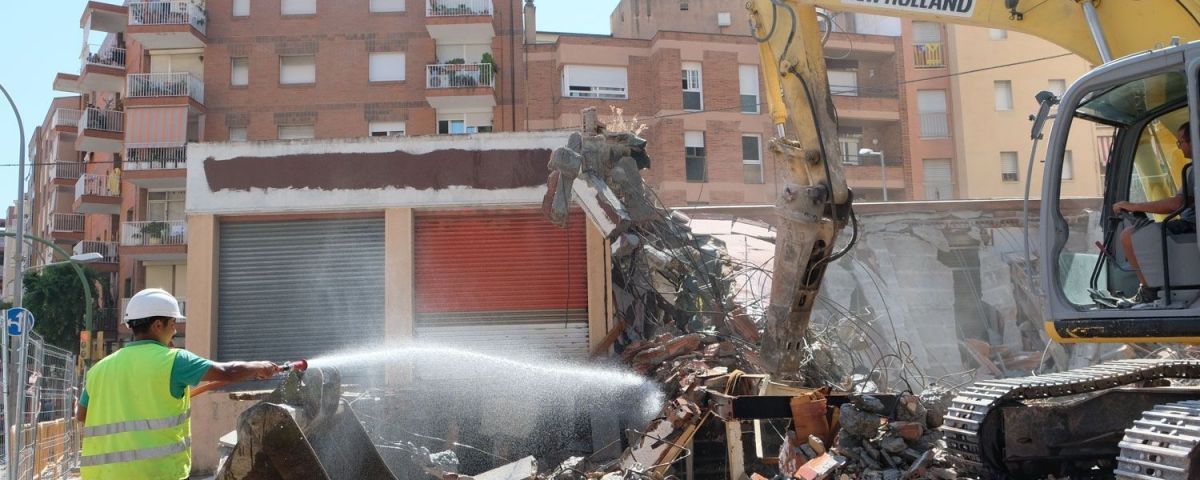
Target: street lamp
[882, 168]
[81, 258]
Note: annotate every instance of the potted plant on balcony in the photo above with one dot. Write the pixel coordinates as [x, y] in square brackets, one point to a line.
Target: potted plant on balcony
[486, 77]
[153, 233]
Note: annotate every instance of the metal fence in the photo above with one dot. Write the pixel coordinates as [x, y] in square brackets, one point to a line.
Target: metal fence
[48, 437]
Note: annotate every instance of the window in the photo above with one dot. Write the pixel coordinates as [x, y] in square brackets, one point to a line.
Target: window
[237, 134]
[1068, 168]
[165, 206]
[387, 129]
[298, 7]
[241, 8]
[295, 132]
[748, 87]
[682, 5]
[387, 67]
[464, 123]
[239, 68]
[380, 6]
[692, 97]
[931, 108]
[939, 179]
[297, 69]
[843, 82]
[587, 81]
[926, 32]
[693, 153]
[850, 145]
[1009, 167]
[752, 165]
[1004, 95]
[997, 33]
[1057, 86]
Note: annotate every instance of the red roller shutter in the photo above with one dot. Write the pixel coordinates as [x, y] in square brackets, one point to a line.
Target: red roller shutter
[500, 260]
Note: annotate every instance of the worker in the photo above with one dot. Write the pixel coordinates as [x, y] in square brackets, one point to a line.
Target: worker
[1184, 223]
[135, 407]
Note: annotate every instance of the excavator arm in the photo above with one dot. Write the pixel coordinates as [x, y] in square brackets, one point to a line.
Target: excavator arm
[815, 202]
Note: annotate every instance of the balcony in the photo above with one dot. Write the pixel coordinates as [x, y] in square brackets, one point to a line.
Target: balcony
[65, 173]
[106, 320]
[929, 55]
[101, 131]
[97, 194]
[156, 165]
[165, 89]
[154, 240]
[167, 25]
[61, 223]
[460, 21]
[108, 249]
[866, 103]
[103, 68]
[67, 82]
[469, 86]
[66, 120]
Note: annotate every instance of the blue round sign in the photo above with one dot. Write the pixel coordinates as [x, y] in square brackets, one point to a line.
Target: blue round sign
[18, 321]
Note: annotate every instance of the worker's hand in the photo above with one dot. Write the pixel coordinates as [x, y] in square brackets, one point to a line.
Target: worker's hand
[1122, 206]
[265, 370]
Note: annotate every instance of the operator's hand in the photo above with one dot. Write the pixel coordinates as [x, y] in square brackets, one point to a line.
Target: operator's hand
[265, 370]
[1122, 206]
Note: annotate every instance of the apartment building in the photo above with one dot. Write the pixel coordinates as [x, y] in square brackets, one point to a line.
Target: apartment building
[994, 144]
[157, 75]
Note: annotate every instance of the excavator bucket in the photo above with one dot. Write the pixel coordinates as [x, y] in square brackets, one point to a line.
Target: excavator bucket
[303, 430]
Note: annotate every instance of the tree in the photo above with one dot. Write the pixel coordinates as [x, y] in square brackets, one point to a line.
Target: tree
[55, 297]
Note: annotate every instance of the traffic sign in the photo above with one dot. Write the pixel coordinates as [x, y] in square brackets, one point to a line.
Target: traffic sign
[18, 321]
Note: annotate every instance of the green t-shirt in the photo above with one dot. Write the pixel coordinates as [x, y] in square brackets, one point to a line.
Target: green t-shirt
[187, 371]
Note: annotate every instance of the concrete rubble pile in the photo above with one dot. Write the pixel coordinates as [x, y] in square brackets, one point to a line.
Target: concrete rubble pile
[677, 321]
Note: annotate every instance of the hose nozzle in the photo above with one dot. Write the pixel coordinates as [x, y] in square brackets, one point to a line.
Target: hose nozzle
[298, 365]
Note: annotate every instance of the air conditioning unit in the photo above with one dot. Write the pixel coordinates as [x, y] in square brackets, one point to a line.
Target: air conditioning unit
[724, 19]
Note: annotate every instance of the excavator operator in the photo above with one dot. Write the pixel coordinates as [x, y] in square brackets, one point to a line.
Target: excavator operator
[1185, 223]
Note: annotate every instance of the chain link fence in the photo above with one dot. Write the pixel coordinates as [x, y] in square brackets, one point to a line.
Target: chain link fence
[49, 437]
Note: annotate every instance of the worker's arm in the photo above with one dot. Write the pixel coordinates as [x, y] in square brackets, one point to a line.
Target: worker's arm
[240, 371]
[81, 413]
[1162, 207]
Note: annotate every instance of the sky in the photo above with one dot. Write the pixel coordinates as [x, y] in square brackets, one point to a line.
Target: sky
[43, 38]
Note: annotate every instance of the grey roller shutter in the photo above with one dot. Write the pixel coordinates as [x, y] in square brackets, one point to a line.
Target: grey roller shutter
[939, 179]
[298, 289]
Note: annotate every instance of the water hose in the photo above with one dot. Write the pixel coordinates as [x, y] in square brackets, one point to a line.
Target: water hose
[298, 365]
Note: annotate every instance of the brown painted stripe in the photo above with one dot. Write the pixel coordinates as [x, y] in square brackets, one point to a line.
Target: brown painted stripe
[480, 169]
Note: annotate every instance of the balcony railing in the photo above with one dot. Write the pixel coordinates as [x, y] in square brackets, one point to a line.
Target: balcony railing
[449, 75]
[929, 55]
[92, 184]
[106, 319]
[66, 170]
[176, 84]
[105, 56]
[66, 117]
[136, 234]
[155, 157]
[106, 120]
[108, 249]
[167, 13]
[934, 125]
[457, 8]
[66, 222]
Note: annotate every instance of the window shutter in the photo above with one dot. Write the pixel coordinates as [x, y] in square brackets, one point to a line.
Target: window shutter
[295, 132]
[298, 7]
[390, 129]
[939, 179]
[1068, 168]
[297, 69]
[239, 71]
[241, 8]
[387, 5]
[926, 32]
[1009, 167]
[387, 67]
[843, 82]
[1004, 95]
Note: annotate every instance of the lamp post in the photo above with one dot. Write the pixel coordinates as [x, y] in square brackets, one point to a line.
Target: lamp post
[14, 396]
[882, 168]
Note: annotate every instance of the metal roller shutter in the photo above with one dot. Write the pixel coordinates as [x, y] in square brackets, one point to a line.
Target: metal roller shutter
[502, 281]
[939, 179]
[298, 289]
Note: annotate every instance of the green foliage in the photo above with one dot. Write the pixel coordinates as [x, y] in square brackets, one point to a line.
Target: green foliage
[55, 296]
[488, 59]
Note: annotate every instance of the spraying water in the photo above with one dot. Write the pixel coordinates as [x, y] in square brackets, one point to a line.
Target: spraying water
[523, 387]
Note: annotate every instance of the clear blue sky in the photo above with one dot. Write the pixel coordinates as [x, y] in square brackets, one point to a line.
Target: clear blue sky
[43, 38]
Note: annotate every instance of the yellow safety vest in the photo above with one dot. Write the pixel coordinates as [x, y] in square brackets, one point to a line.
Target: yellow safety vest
[135, 428]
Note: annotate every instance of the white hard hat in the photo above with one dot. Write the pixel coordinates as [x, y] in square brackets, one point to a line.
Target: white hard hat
[152, 302]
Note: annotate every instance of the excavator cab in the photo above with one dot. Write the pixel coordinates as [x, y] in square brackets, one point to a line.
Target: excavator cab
[1087, 275]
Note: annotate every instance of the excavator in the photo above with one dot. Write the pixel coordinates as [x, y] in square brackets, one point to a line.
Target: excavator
[1121, 418]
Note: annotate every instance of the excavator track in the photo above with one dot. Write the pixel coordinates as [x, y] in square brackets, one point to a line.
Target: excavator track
[1152, 448]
